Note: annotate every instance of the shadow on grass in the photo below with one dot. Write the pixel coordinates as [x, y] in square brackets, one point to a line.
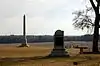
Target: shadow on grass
[91, 52]
[74, 59]
[21, 59]
[13, 61]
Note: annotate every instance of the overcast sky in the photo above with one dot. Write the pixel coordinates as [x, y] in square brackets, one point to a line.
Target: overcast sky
[44, 17]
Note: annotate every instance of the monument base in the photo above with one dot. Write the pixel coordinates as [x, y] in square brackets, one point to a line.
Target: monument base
[59, 53]
[23, 45]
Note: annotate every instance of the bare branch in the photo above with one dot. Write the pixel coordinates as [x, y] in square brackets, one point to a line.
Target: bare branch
[83, 20]
[93, 5]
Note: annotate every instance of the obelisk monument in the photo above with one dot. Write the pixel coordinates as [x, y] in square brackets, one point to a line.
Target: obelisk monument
[24, 40]
[24, 29]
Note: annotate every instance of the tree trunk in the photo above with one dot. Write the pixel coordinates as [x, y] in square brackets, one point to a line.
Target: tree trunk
[96, 34]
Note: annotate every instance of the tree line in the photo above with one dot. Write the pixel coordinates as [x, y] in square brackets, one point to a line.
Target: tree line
[42, 38]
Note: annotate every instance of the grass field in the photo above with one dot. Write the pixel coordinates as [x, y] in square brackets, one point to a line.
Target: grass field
[35, 55]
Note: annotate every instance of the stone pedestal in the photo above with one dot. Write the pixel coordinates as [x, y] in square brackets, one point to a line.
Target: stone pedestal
[24, 43]
[59, 49]
[58, 53]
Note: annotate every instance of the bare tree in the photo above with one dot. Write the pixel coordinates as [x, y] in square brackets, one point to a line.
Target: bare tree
[84, 20]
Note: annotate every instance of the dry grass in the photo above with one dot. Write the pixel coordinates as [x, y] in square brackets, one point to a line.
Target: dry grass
[10, 55]
[33, 50]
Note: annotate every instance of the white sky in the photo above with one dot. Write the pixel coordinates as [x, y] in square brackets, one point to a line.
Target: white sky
[44, 17]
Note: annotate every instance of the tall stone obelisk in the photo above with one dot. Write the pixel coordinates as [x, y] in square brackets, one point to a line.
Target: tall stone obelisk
[24, 28]
[24, 41]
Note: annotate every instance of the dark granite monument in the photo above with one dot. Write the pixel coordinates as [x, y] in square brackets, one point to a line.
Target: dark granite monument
[59, 48]
[59, 39]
